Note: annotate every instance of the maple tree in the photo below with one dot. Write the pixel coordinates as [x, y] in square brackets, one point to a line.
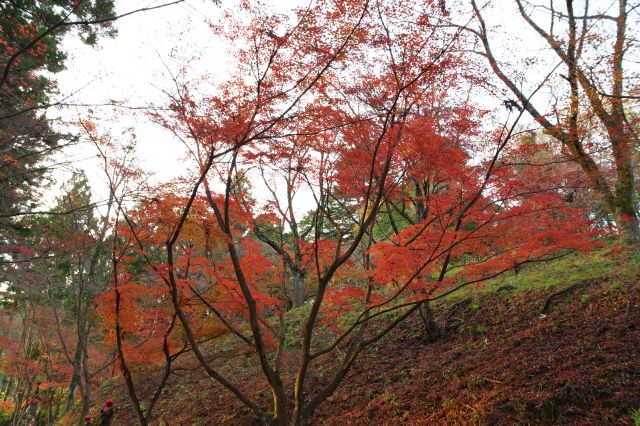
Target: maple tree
[57, 291]
[31, 34]
[31, 53]
[337, 176]
[361, 139]
[59, 268]
[140, 324]
[593, 116]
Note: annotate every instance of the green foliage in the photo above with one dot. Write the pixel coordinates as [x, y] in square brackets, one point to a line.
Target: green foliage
[343, 216]
[584, 298]
[24, 22]
[295, 319]
[632, 266]
[389, 399]
[572, 268]
[31, 32]
[635, 416]
[615, 286]
[323, 334]
[386, 221]
[74, 252]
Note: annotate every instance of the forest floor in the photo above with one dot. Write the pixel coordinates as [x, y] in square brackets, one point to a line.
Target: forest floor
[555, 344]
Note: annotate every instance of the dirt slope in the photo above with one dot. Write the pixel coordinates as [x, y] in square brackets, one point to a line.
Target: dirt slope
[547, 355]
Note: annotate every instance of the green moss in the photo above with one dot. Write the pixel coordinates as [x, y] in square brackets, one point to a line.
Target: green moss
[635, 416]
[552, 274]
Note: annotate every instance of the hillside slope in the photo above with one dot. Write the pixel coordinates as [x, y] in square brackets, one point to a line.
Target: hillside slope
[557, 344]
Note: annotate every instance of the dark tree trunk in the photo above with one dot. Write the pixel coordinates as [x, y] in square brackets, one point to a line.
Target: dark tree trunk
[431, 330]
[71, 394]
[298, 288]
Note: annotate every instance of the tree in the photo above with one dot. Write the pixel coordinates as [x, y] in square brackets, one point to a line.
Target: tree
[353, 100]
[593, 114]
[31, 32]
[142, 325]
[281, 229]
[354, 106]
[65, 257]
[59, 288]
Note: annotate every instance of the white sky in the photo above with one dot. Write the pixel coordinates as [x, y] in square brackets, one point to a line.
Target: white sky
[132, 68]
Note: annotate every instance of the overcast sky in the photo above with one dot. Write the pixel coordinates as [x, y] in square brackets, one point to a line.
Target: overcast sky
[132, 69]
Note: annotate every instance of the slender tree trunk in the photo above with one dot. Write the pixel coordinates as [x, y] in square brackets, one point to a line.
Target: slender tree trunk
[431, 330]
[7, 387]
[280, 407]
[123, 365]
[71, 395]
[51, 397]
[86, 389]
[298, 288]
[56, 413]
[18, 398]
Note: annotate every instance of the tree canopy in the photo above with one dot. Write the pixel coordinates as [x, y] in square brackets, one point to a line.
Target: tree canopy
[339, 180]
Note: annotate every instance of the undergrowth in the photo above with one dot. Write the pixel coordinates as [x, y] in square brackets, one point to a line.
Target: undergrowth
[559, 273]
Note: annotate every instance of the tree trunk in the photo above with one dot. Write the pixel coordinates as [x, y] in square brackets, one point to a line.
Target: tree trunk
[7, 387]
[56, 412]
[431, 330]
[629, 228]
[86, 389]
[298, 288]
[626, 217]
[280, 409]
[51, 397]
[71, 395]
